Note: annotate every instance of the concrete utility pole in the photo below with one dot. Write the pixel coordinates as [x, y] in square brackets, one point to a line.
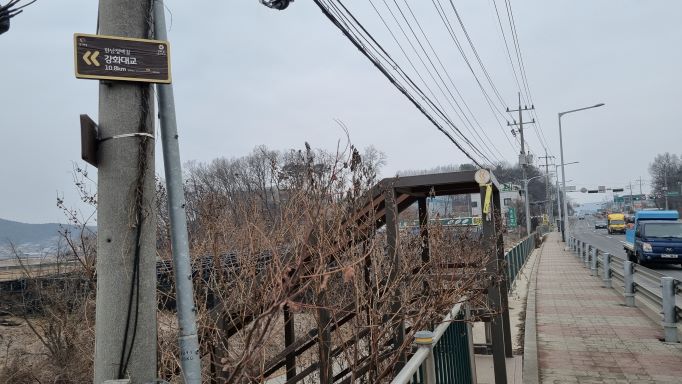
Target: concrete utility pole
[548, 205]
[125, 320]
[523, 158]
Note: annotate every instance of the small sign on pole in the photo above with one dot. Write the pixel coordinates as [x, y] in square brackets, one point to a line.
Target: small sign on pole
[121, 58]
[511, 218]
[89, 140]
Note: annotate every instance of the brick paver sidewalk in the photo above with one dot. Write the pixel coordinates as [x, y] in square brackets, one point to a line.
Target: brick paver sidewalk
[586, 334]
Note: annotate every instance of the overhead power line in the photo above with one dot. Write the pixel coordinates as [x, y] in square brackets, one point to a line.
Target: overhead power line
[448, 26]
[487, 143]
[522, 85]
[360, 38]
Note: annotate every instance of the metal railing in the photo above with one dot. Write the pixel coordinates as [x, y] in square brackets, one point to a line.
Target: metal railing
[624, 271]
[516, 257]
[444, 355]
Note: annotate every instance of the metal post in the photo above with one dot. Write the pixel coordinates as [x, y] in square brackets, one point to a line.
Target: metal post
[511, 270]
[585, 255]
[188, 340]
[558, 202]
[424, 340]
[504, 284]
[669, 311]
[289, 339]
[470, 342]
[629, 283]
[566, 233]
[125, 318]
[607, 270]
[495, 296]
[593, 262]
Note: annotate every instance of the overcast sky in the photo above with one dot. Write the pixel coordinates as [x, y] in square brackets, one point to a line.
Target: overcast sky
[245, 75]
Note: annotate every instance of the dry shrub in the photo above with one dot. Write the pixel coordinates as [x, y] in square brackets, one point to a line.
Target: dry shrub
[281, 231]
[270, 233]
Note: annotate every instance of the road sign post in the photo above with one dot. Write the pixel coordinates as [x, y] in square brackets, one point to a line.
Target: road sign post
[121, 58]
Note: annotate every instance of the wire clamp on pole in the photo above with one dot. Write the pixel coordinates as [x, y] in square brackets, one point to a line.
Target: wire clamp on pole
[136, 134]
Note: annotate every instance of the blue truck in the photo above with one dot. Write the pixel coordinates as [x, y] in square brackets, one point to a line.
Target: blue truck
[655, 238]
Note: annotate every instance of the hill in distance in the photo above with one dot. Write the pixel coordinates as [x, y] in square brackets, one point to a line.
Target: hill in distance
[30, 239]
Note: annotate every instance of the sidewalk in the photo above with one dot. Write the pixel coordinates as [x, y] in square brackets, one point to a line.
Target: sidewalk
[586, 335]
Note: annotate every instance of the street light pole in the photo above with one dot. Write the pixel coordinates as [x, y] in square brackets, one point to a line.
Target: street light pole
[558, 199]
[566, 232]
[558, 193]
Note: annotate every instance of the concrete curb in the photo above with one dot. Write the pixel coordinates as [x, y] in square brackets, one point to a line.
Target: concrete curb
[531, 370]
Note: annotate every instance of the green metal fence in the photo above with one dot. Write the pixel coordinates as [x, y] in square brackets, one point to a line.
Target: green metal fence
[516, 257]
[444, 355]
[453, 361]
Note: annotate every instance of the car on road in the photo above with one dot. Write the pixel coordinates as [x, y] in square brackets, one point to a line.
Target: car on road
[600, 224]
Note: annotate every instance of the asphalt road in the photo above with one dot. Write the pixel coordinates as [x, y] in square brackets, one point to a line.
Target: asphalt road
[613, 244]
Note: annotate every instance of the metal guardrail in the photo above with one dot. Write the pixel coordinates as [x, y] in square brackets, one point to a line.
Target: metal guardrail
[446, 354]
[664, 300]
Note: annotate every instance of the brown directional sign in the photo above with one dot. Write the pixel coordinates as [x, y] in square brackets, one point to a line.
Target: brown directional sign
[121, 58]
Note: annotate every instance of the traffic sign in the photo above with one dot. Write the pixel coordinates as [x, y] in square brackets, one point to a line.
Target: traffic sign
[121, 58]
[672, 193]
[511, 217]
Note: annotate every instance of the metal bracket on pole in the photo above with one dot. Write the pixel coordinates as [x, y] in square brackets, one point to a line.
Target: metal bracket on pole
[629, 283]
[669, 311]
[606, 264]
[593, 262]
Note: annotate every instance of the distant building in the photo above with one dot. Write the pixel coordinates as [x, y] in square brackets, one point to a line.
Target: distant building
[470, 204]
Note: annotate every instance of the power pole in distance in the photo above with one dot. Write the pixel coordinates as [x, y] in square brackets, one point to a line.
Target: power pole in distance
[125, 320]
[547, 197]
[523, 158]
